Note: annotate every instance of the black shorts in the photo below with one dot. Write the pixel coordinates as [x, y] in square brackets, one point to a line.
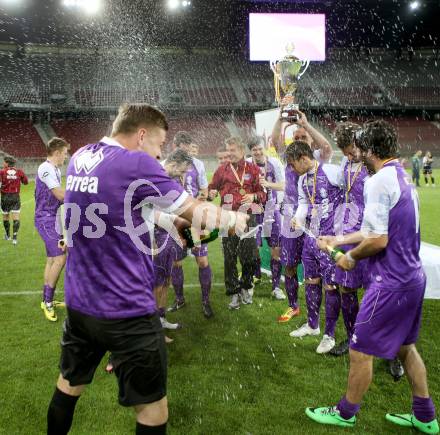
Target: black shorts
[427, 171]
[138, 353]
[11, 203]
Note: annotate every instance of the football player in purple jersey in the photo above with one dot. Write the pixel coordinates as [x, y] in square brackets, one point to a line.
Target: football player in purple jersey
[196, 184]
[109, 281]
[291, 242]
[389, 319]
[49, 195]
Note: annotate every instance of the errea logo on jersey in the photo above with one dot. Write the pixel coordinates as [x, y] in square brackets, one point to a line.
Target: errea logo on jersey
[88, 160]
[11, 174]
[82, 184]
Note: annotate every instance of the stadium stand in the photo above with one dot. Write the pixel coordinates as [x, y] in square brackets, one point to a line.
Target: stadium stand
[16, 85]
[205, 79]
[210, 94]
[20, 139]
[80, 132]
[208, 131]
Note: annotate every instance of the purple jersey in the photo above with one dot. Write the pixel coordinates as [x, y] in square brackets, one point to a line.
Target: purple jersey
[392, 208]
[272, 170]
[46, 204]
[109, 194]
[318, 201]
[195, 178]
[290, 203]
[354, 178]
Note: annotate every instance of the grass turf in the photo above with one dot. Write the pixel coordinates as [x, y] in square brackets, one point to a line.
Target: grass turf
[238, 373]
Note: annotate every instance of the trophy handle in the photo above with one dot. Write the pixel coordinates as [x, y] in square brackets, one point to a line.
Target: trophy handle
[305, 64]
[273, 67]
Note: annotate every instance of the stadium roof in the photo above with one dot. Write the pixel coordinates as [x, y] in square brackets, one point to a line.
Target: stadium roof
[215, 23]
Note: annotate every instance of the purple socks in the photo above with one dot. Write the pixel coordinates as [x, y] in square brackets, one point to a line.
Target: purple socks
[48, 293]
[347, 409]
[177, 281]
[350, 308]
[205, 277]
[275, 268]
[313, 302]
[423, 409]
[332, 308]
[291, 284]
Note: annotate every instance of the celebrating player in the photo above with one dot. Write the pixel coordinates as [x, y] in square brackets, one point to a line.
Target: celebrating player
[292, 242]
[109, 272]
[196, 184]
[49, 195]
[238, 183]
[272, 180]
[11, 179]
[389, 318]
[353, 175]
[176, 165]
[319, 198]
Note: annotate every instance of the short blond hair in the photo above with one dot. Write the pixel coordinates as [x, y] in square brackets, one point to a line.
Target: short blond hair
[55, 144]
[131, 117]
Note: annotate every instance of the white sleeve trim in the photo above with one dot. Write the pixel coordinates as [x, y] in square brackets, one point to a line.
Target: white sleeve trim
[278, 169]
[202, 179]
[177, 203]
[317, 155]
[303, 205]
[333, 174]
[381, 192]
[48, 175]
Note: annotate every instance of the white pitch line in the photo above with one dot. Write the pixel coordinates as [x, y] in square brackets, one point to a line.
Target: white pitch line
[33, 292]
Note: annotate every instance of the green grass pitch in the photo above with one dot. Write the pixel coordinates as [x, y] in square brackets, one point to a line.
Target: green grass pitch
[238, 373]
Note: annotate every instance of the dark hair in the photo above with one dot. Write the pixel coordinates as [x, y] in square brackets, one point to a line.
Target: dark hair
[298, 149]
[55, 144]
[182, 137]
[179, 157]
[255, 141]
[10, 161]
[380, 137]
[344, 134]
[131, 117]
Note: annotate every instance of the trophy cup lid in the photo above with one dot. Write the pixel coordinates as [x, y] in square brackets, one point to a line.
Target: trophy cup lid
[290, 50]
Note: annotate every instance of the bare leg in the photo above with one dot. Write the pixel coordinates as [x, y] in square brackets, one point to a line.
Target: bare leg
[48, 267]
[55, 270]
[152, 414]
[64, 386]
[415, 370]
[360, 376]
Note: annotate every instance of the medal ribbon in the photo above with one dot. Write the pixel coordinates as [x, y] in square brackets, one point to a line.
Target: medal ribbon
[350, 181]
[236, 174]
[388, 161]
[312, 196]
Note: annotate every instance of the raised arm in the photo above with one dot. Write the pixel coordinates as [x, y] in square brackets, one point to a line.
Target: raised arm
[319, 141]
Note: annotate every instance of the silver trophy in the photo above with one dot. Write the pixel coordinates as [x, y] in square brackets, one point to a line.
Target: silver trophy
[287, 72]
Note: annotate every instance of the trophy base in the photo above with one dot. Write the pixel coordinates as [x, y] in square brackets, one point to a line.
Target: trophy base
[290, 113]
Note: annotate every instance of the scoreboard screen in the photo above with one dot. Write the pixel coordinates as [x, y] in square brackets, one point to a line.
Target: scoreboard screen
[269, 34]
